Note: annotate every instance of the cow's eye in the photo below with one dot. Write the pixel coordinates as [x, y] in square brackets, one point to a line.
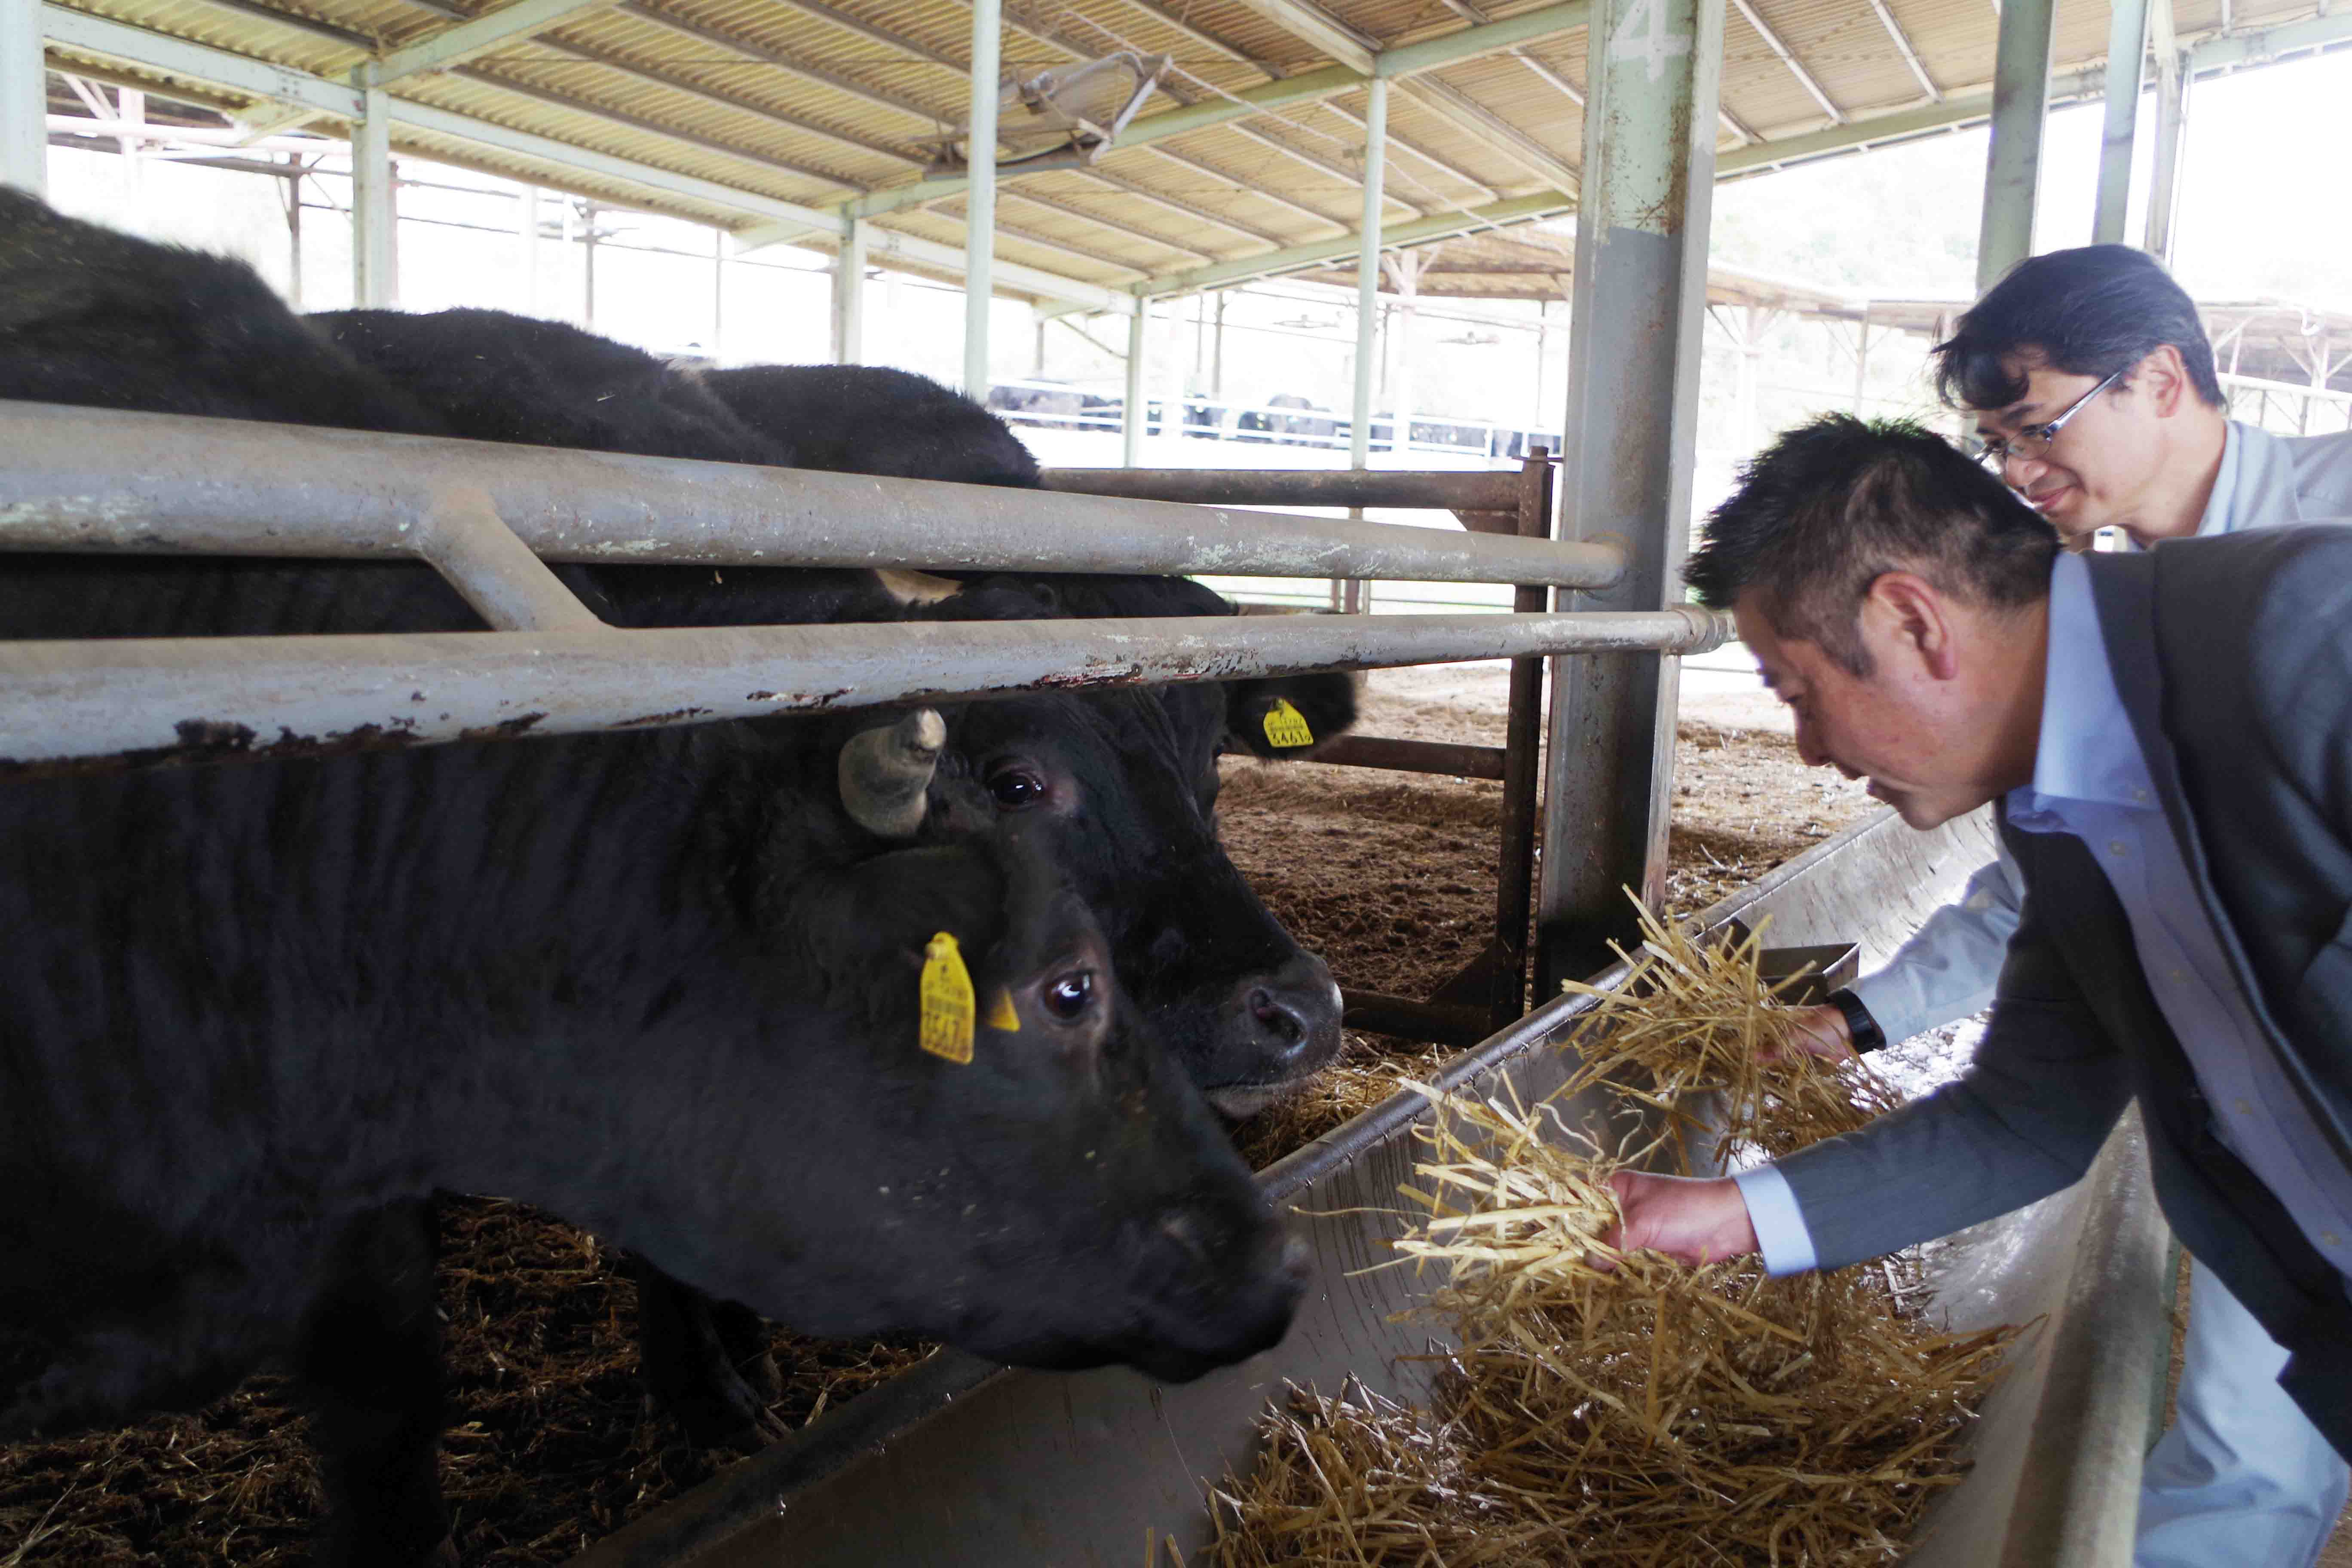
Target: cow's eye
[1014, 786]
[1068, 997]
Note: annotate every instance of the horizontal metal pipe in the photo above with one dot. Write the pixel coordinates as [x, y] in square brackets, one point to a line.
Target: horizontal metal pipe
[172, 700]
[85, 478]
[1474, 489]
[1452, 758]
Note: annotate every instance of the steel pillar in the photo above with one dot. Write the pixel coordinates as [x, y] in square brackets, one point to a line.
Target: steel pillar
[527, 246]
[979, 200]
[2126, 50]
[1639, 304]
[2021, 97]
[1131, 411]
[375, 212]
[24, 99]
[849, 295]
[1368, 272]
[2171, 140]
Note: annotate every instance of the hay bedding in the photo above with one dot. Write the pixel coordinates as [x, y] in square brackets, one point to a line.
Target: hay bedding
[552, 1446]
[1607, 1408]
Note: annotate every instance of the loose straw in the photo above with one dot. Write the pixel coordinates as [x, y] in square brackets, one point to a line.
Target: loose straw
[1608, 1409]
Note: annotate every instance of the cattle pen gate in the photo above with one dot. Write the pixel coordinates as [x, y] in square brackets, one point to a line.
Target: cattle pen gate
[958, 1460]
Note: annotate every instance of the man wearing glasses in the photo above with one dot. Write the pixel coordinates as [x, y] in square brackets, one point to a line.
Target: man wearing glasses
[2096, 400]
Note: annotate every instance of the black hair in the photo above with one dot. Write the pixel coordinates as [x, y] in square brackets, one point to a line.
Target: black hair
[2089, 311]
[1830, 506]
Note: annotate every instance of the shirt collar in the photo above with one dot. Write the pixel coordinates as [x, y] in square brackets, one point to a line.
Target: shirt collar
[2225, 486]
[2086, 750]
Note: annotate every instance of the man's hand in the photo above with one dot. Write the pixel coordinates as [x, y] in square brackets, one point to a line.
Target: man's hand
[1689, 1219]
[1820, 1031]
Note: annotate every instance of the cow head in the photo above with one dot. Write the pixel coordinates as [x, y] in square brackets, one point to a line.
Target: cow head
[1062, 1198]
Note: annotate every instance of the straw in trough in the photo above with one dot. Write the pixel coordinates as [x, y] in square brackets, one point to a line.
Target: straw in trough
[1607, 1408]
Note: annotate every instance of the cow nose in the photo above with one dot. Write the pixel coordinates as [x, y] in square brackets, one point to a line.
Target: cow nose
[1293, 1015]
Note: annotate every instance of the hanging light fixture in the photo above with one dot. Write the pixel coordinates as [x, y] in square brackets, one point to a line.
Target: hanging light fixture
[1062, 117]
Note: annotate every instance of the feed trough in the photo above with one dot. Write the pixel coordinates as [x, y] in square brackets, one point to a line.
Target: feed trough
[962, 1462]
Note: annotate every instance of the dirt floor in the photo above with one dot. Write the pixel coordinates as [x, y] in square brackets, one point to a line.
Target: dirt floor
[1389, 875]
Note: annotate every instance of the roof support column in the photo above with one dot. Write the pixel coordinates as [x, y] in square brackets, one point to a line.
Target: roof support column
[1635, 330]
[1368, 272]
[979, 200]
[849, 295]
[375, 257]
[24, 99]
[2171, 138]
[1131, 415]
[2021, 97]
[2127, 47]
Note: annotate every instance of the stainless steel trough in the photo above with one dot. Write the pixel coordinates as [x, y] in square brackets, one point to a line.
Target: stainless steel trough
[962, 1463]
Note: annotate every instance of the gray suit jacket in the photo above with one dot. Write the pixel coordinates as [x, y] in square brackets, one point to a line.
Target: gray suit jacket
[2234, 655]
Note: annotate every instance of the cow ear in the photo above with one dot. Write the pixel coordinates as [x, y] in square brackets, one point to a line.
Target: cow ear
[1288, 715]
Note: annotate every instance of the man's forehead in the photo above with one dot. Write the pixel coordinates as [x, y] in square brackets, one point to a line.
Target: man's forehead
[2033, 401]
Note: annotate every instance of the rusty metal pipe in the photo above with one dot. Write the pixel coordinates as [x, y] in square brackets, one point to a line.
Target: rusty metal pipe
[1473, 491]
[87, 479]
[1451, 758]
[139, 701]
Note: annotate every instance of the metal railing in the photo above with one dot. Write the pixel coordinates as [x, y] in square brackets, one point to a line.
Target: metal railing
[487, 516]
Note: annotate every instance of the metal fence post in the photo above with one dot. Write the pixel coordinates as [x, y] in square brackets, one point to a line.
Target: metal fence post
[1131, 410]
[2021, 95]
[24, 99]
[1633, 402]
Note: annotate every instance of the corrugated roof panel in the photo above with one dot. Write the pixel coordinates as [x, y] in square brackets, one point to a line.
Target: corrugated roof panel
[235, 31]
[1846, 50]
[487, 100]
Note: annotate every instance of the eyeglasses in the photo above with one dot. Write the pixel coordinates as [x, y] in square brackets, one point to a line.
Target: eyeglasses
[2033, 442]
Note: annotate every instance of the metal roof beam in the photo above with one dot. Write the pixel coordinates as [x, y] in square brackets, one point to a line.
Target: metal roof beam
[1246, 188]
[468, 39]
[1796, 68]
[1485, 192]
[1405, 60]
[610, 116]
[1313, 26]
[1143, 193]
[1450, 104]
[1439, 225]
[1910, 55]
[721, 39]
[251, 77]
[728, 100]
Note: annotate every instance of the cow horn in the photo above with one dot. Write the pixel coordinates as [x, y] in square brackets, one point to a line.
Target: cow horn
[886, 771]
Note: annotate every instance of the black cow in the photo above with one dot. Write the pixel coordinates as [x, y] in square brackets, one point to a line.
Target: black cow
[868, 419]
[1123, 782]
[658, 984]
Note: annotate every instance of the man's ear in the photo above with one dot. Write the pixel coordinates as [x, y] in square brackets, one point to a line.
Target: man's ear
[2162, 377]
[1905, 615]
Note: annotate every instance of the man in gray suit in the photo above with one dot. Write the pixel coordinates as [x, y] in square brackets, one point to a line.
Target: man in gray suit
[2169, 735]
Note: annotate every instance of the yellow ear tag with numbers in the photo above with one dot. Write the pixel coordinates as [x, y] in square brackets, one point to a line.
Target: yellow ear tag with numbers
[1001, 1015]
[945, 993]
[1286, 726]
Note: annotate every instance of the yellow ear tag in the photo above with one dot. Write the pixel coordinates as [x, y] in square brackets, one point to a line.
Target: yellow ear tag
[1001, 1015]
[1286, 726]
[945, 993]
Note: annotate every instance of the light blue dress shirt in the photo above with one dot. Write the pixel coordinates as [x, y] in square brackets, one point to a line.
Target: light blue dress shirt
[2091, 779]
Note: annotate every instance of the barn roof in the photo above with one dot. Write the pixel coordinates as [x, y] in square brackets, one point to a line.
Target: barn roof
[777, 118]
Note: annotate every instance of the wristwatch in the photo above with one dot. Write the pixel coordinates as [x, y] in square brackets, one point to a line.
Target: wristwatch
[1860, 1026]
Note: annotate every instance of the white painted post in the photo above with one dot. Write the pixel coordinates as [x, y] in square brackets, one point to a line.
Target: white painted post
[2126, 50]
[1130, 424]
[375, 210]
[527, 242]
[979, 200]
[2021, 97]
[849, 295]
[719, 296]
[1405, 269]
[588, 265]
[2171, 140]
[24, 99]
[131, 108]
[1368, 272]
